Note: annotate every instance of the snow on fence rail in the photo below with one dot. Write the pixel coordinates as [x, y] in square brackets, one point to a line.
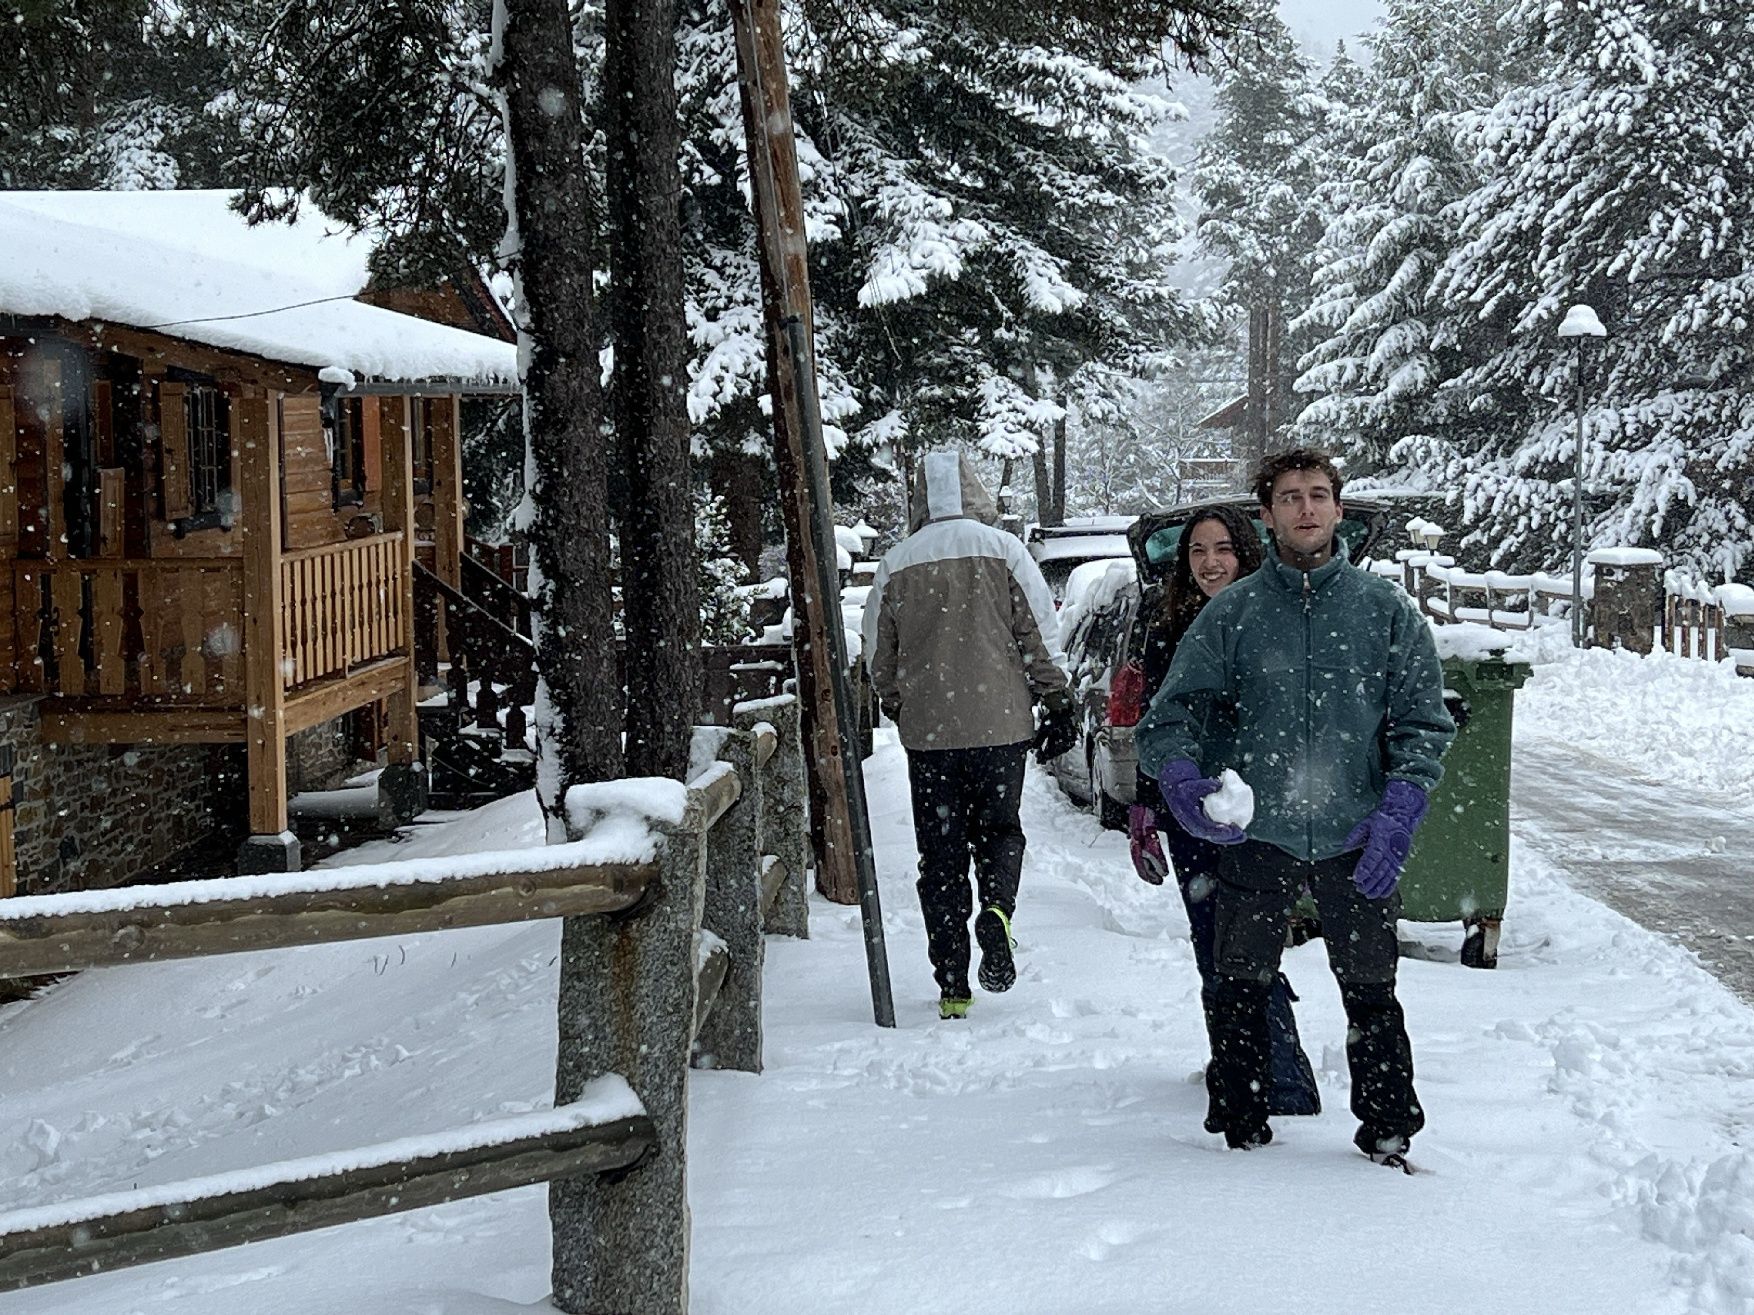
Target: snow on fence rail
[666, 890]
[1628, 603]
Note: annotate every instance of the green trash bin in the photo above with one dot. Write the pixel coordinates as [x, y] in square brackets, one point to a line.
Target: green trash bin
[1459, 869]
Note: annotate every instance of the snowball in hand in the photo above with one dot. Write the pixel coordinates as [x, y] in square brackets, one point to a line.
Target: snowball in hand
[1233, 803]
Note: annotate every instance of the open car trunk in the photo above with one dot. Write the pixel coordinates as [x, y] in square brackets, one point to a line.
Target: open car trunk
[1153, 537]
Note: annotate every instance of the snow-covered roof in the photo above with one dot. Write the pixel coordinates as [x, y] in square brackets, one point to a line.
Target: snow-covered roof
[186, 265]
[1082, 545]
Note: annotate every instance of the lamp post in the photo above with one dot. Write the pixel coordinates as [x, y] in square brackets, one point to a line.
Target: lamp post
[1578, 327]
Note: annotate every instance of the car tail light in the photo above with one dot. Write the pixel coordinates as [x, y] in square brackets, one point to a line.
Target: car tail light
[1126, 695]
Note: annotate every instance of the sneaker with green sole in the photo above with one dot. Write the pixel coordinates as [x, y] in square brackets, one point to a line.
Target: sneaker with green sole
[953, 1006]
[992, 932]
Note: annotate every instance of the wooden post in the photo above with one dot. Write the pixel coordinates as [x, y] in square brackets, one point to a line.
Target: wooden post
[402, 785]
[845, 869]
[785, 281]
[784, 835]
[628, 999]
[447, 489]
[13, 634]
[730, 1034]
[271, 847]
[8, 850]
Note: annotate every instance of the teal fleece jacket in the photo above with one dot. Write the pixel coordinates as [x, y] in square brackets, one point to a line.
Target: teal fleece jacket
[1317, 687]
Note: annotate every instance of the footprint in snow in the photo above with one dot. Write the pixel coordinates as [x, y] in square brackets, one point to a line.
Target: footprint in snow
[1110, 1236]
[1065, 1184]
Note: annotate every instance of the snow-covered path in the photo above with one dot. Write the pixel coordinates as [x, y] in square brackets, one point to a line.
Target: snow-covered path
[1634, 777]
[1590, 1104]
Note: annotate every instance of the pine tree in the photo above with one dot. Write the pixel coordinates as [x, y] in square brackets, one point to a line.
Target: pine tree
[551, 200]
[984, 221]
[116, 93]
[1623, 177]
[1253, 178]
[660, 592]
[1374, 377]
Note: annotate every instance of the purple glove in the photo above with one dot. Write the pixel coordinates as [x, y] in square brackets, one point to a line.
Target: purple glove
[1148, 860]
[1387, 836]
[1185, 791]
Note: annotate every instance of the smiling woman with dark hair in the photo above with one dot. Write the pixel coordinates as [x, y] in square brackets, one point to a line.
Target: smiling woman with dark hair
[1218, 546]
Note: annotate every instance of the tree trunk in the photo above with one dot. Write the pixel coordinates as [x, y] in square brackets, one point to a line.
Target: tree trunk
[1060, 464]
[1044, 488]
[737, 478]
[659, 585]
[578, 724]
[1254, 432]
[1270, 366]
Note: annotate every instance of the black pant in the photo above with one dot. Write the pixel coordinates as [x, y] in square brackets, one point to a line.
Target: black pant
[1258, 885]
[1198, 863]
[965, 802]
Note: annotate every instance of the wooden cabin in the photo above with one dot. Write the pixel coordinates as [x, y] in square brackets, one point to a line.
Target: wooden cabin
[217, 466]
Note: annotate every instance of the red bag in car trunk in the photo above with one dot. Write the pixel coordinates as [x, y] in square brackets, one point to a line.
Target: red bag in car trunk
[1126, 694]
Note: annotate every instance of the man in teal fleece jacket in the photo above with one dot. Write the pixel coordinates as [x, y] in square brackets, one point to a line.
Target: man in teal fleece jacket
[1321, 683]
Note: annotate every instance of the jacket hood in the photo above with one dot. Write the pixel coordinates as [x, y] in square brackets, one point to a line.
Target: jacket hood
[946, 487]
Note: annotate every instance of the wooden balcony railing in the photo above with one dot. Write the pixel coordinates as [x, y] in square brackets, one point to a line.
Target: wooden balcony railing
[167, 631]
[342, 607]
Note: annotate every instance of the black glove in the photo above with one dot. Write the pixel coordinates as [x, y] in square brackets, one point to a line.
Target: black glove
[1057, 729]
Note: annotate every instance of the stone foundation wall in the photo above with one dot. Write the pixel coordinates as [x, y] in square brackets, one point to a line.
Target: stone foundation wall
[92, 816]
[320, 758]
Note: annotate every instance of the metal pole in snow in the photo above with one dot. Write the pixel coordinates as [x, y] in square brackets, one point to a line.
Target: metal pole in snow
[1578, 635]
[846, 752]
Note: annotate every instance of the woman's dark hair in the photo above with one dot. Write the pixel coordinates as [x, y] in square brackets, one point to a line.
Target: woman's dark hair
[1181, 598]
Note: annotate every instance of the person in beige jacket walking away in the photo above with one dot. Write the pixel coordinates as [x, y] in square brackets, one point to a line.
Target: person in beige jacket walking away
[961, 641]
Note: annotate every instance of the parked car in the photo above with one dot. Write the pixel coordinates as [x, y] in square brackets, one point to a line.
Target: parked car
[1060, 549]
[1095, 621]
[1102, 632]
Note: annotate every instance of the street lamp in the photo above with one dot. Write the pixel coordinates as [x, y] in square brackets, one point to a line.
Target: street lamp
[1579, 326]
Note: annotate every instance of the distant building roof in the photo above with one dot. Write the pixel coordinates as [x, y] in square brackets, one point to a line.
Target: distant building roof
[186, 265]
[1228, 416]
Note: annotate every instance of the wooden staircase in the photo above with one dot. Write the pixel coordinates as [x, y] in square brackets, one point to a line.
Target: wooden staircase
[473, 644]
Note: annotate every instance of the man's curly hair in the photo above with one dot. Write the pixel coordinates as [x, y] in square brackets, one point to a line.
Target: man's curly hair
[1275, 464]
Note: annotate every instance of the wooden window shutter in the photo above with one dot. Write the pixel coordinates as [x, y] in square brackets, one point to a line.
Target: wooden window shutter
[8, 470]
[173, 451]
[103, 421]
[371, 444]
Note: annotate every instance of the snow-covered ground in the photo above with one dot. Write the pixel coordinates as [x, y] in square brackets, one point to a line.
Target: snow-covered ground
[1590, 1101]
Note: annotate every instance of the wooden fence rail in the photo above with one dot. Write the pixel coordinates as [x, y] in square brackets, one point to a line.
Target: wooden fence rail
[661, 967]
[1635, 606]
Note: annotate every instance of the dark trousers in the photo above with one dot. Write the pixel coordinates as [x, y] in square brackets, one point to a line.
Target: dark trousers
[965, 804]
[1291, 1082]
[1258, 885]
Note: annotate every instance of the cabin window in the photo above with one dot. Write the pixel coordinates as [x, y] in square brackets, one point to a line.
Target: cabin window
[209, 426]
[346, 436]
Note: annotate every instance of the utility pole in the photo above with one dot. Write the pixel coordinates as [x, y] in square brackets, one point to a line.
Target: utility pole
[845, 866]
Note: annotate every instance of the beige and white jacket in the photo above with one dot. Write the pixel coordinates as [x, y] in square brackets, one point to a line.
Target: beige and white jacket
[960, 634]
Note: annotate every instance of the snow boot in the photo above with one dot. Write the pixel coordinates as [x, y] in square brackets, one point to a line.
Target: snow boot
[992, 931]
[1389, 1151]
[1248, 1141]
[954, 999]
